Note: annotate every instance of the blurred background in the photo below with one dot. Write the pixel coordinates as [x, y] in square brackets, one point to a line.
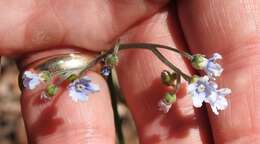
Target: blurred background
[12, 129]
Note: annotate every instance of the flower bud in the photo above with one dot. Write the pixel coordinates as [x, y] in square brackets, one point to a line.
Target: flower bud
[112, 60]
[105, 71]
[194, 79]
[45, 76]
[199, 61]
[72, 77]
[169, 98]
[51, 90]
[167, 77]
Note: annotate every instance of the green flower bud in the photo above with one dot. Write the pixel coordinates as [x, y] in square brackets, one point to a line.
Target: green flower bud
[169, 98]
[51, 90]
[72, 77]
[167, 77]
[199, 61]
[112, 60]
[45, 76]
[194, 79]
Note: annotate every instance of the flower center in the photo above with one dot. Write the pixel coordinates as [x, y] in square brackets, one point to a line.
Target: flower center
[80, 87]
[201, 88]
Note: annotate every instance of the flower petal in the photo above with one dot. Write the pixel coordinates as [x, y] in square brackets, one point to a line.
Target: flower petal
[77, 96]
[213, 69]
[214, 110]
[224, 91]
[215, 57]
[197, 100]
[164, 107]
[30, 80]
[93, 87]
[33, 83]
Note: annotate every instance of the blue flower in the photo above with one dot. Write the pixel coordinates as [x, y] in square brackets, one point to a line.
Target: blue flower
[212, 68]
[105, 71]
[81, 88]
[203, 90]
[30, 80]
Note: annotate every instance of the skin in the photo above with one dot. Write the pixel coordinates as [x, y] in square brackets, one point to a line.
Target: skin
[206, 26]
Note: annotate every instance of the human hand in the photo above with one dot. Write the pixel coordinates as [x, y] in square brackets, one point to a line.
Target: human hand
[207, 26]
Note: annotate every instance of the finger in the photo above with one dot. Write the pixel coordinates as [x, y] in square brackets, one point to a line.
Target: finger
[88, 24]
[139, 76]
[230, 28]
[62, 120]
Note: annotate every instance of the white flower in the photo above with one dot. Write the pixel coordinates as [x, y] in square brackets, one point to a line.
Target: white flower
[81, 88]
[203, 90]
[30, 80]
[164, 107]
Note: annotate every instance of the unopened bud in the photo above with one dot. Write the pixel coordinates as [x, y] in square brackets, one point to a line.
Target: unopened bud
[51, 90]
[167, 77]
[112, 60]
[199, 61]
[169, 98]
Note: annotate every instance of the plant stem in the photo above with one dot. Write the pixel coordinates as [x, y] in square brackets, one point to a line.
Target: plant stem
[118, 121]
[152, 46]
[168, 63]
[148, 46]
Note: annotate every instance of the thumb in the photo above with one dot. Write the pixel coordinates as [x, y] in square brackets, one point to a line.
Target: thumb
[61, 120]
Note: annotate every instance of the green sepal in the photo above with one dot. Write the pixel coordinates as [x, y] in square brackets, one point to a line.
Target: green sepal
[199, 61]
[194, 79]
[169, 98]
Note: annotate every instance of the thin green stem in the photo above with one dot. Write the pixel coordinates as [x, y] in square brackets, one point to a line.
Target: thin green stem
[152, 46]
[148, 46]
[168, 63]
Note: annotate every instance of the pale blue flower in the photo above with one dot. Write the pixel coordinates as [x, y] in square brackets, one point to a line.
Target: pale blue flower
[203, 90]
[212, 68]
[81, 88]
[219, 102]
[30, 80]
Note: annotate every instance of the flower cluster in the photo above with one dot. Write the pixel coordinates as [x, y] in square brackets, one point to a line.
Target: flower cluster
[204, 89]
[79, 89]
[168, 79]
[201, 89]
